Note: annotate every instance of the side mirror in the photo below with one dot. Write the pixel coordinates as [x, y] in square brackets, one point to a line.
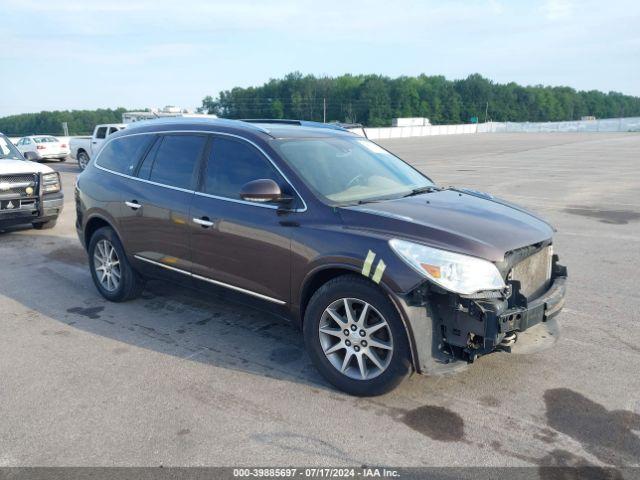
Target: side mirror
[262, 190]
[32, 156]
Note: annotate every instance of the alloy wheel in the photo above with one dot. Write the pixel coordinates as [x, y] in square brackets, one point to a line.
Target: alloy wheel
[356, 338]
[107, 265]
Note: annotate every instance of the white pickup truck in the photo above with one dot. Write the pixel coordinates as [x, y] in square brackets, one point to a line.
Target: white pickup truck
[83, 148]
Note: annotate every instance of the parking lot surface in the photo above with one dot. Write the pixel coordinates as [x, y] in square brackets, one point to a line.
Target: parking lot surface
[179, 377]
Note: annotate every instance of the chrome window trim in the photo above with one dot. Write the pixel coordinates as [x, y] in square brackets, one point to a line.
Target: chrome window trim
[203, 194]
[210, 280]
[143, 180]
[235, 200]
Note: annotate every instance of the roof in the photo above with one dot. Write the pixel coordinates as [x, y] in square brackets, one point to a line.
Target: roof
[262, 128]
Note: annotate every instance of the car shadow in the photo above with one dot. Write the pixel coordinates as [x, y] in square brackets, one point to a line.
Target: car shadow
[216, 327]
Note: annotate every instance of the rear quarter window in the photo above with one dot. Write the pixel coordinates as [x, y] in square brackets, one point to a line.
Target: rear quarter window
[121, 155]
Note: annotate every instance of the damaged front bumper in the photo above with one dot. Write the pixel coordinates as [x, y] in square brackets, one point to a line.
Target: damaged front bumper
[449, 331]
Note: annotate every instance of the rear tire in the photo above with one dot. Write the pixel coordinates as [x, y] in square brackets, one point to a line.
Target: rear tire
[112, 274]
[45, 225]
[83, 160]
[371, 335]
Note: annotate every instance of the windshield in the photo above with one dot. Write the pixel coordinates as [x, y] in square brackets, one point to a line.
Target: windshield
[7, 150]
[344, 170]
[45, 139]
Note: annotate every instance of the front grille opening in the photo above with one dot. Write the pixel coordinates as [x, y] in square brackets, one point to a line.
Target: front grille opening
[18, 186]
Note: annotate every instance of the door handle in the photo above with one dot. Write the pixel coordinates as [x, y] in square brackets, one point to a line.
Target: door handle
[135, 205]
[204, 222]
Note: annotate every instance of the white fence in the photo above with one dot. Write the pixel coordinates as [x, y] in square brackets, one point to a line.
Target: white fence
[404, 132]
[631, 124]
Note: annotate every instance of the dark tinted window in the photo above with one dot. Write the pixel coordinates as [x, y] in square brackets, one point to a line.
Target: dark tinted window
[147, 162]
[122, 154]
[102, 132]
[175, 160]
[232, 163]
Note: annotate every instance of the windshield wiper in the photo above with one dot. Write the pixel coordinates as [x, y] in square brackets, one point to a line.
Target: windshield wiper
[418, 191]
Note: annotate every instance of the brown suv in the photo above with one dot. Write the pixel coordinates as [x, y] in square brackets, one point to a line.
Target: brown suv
[384, 271]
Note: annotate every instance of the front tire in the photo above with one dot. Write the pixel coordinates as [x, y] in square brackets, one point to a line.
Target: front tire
[355, 337]
[112, 274]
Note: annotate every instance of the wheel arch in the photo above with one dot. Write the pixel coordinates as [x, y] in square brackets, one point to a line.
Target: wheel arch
[325, 273]
[93, 224]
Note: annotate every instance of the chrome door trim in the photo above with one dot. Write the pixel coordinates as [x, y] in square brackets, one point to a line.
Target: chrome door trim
[164, 265]
[238, 289]
[210, 280]
[203, 132]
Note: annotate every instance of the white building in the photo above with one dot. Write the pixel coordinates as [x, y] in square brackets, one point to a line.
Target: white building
[410, 122]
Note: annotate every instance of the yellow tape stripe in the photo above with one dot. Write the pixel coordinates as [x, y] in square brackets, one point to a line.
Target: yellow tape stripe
[366, 268]
[377, 276]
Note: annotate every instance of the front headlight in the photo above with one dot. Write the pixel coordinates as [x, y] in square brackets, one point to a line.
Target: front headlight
[51, 182]
[452, 271]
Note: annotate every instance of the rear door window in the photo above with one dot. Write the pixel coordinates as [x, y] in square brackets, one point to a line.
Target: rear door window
[173, 159]
[101, 132]
[122, 154]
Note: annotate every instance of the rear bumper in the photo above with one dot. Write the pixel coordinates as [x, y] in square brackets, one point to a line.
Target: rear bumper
[45, 156]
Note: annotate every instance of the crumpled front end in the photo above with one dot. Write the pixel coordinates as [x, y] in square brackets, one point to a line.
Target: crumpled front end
[464, 327]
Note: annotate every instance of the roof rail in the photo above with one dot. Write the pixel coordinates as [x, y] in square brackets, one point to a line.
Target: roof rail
[280, 121]
[221, 121]
[299, 123]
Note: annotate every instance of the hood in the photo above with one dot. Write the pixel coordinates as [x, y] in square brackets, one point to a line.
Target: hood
[465, 222]
[7, 167]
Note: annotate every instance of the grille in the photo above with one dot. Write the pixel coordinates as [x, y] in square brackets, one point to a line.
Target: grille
[534, 273]
[15, 186]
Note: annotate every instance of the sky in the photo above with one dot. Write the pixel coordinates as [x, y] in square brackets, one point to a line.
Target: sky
[84, 54]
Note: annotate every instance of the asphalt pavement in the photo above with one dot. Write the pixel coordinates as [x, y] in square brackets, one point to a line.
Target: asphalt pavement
[183, 378]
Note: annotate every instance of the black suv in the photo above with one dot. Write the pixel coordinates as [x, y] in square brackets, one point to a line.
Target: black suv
[384, 271]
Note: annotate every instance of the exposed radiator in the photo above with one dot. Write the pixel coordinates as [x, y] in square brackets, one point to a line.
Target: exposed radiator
[534, 273]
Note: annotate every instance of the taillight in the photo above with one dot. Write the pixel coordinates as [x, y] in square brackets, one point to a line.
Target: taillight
[63, 145]
[41, 147]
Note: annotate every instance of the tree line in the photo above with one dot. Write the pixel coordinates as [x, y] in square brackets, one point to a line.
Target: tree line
[79, 122]
[374, 100]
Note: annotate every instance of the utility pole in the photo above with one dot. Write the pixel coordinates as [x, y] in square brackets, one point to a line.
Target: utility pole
[486, 111]
[324, 110]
